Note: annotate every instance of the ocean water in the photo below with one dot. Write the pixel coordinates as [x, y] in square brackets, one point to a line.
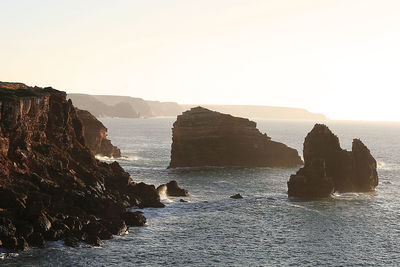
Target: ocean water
[265, 228]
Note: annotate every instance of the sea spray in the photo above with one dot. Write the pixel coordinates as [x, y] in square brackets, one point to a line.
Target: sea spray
[162, 192]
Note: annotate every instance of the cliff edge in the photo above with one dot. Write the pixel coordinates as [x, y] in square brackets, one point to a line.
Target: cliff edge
[51, 186]
[95, 134]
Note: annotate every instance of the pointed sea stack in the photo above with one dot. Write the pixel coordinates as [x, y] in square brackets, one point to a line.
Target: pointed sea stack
[328, 168]
[96, 135]
[201, 137]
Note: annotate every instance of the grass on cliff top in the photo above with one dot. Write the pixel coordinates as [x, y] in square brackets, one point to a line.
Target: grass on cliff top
[12, 95]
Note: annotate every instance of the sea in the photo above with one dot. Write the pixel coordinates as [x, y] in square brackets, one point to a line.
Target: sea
[265, 228]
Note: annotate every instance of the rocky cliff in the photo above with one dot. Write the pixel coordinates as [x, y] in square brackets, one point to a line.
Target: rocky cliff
[95, 134]
[51, 186]
[330, 168]
[201, 137]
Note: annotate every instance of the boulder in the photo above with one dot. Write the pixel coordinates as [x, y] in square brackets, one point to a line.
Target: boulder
[328, 168]
[36, 240]
[71, 241]
[236, 196]
[134, 218]
[201, 137]
[115, 226]
[172, 189]
[145, 195]
[94, 241]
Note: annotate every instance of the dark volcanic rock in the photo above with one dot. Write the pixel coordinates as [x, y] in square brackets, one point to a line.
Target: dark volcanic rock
[330, 168]
[71, 241]
[96, 135]
[36, 240]
[201, 137]
[134, 218]
[311, 181]
[145, 195]
[236, 196]
[94, 241]
[51, 185]
[172, 189]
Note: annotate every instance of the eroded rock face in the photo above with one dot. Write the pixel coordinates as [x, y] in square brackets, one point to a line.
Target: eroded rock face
[201, 137]
[330, 168]
[95, 134]
[51, 186]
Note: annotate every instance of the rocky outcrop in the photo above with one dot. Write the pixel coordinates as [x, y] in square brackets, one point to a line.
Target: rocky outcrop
[95, 134]
[51, 186]
[330, 168]
[172, 189]
[236, 196]
[201, 137]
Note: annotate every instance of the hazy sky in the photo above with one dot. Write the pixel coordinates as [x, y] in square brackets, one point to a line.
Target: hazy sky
[340, 58]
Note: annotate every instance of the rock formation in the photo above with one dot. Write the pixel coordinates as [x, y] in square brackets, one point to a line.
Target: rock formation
[51, 186]
[236, 196]
[330, 168]
[201, 137]
[95, 134]
[172, 189]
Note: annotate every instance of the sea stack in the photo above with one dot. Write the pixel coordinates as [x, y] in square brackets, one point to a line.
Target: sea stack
[201, 137]
[328, 168]
[95, 134]
[51, 185]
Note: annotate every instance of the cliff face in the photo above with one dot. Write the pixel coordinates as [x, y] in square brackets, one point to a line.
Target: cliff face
[201, 137]
[95, 134]
[328, 164]
[50, 183]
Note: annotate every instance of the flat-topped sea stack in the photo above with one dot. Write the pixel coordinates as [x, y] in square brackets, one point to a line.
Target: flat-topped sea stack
[96, 135]
[201, 137]
[51, 185]
[328, 168]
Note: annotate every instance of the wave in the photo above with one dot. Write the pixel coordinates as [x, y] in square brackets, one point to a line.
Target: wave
[387, 166]
[381, 164]
[105, 158]
[162, 192]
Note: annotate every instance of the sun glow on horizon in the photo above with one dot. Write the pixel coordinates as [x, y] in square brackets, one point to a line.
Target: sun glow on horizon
[335, 57]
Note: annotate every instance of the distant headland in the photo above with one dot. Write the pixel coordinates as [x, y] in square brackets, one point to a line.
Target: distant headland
[132, 107]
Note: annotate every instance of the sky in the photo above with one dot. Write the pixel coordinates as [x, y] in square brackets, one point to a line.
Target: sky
[339, 58]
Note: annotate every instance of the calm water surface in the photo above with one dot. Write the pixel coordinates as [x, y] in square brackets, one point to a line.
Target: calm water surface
[264, 228]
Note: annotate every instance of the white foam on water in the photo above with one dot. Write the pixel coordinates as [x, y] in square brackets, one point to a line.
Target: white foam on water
[163, 194]
[381, 164]
[130, 158]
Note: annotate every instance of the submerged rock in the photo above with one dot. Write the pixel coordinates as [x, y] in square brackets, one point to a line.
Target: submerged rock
[201, 137]
[96, 135]
[236, 196]
[51, 185]
[329, 168]
[172, 189]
